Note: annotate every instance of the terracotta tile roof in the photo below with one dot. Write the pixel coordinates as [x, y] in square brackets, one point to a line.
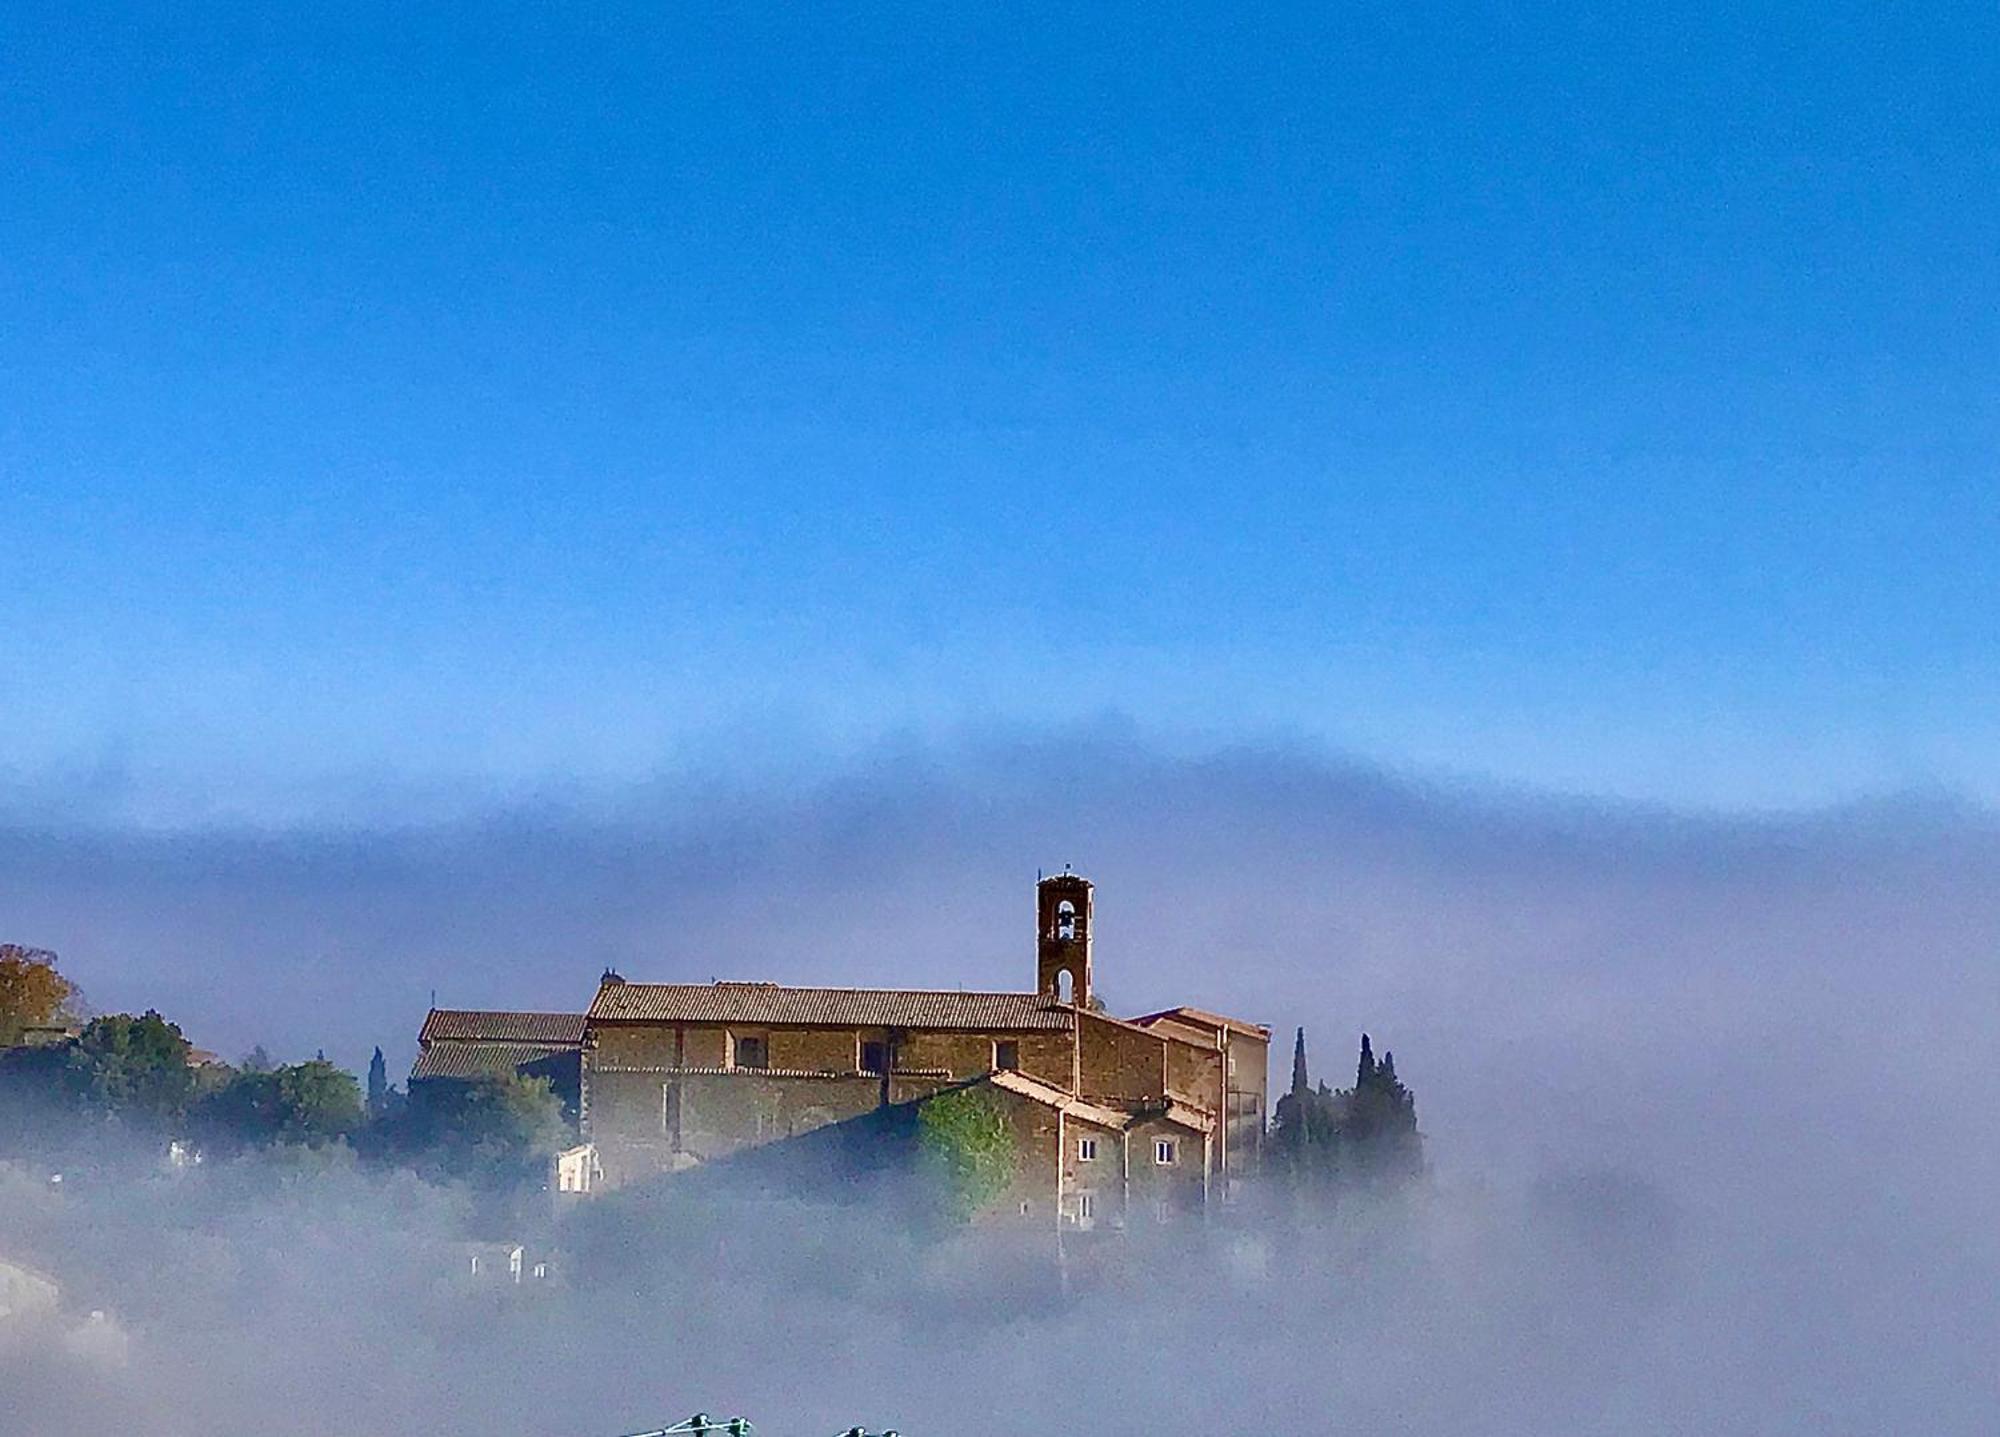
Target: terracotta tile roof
[1195, 1119]
[1199, 1018]
[476, 1060]
[672, 1070]
[1050, 1096]
[467, 1025]
[717, 1072]
[1192, 1037]
[767, 1003]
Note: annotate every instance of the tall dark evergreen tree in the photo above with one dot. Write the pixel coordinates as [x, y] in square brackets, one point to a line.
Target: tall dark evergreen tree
[378, 1084]
[1364, 1136]
[1380, 1127]
[1291, 1123]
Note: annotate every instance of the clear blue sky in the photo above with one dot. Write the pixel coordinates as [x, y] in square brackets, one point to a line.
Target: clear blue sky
[1599, 398]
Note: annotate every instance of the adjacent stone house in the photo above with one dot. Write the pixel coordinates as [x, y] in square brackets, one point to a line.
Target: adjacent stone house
[1088, 1165]
[1245, 1050]
[459, 1045]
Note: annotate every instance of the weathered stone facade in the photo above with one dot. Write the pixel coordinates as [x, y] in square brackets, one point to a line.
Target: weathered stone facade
[1244, 1050]
[1110, 1118]
[1088, 1166]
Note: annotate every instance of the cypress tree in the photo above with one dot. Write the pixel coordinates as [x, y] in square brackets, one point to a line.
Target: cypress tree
[1380, 1126]
[1365, 1137]
[378, 1084]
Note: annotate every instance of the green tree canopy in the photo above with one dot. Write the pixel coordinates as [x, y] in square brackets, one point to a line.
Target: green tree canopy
[317, 1102]
[965, 1146]
[499, 1128]
[312, 1103]
[133, 1067]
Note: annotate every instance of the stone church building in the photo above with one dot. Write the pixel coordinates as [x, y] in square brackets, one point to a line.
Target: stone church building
[1110, 1117]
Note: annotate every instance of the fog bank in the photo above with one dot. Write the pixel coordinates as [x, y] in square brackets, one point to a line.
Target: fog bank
[1710, 1103]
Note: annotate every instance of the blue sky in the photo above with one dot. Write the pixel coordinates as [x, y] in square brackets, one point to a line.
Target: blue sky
[1574, 397]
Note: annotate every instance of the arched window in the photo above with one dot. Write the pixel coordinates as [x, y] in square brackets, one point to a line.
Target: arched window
[1066, 921]
[1065, 987]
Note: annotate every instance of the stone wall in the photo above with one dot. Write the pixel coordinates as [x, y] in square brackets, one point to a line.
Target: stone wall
[1195, 1071]
[1120, 1064]
[1248, 1085]
[660, 1097]
[1043, 1055]
[1155, 1190]
[649, 1112]
[1049, 1173]
[1101, 1179]
[644, 1123]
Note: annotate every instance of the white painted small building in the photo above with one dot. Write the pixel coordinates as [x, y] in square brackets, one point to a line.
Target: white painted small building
[577, 1170]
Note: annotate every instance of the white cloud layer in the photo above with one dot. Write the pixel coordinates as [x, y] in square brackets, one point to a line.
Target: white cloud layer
[1711, 1104]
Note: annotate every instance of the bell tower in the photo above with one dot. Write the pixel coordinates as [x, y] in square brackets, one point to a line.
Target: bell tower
[1062, 937]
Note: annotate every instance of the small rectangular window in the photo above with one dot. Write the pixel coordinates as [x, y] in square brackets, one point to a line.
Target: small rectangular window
[1086, 1206]
[874, 1057]
[752, 1053]
[1165, 1151]
[1086, 1150]
[1007, 1055]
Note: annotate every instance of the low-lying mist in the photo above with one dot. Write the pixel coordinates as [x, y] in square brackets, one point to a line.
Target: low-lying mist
[1711, 1111]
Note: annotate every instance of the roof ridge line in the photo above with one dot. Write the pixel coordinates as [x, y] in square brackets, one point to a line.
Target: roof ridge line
[834, 988]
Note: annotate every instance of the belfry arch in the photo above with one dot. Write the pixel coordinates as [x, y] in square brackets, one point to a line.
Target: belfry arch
[1062, 929]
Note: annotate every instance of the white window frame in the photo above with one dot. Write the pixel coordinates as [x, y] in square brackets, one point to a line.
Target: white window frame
[1086, 1208]
[1086, 1150]
[1166, 1152]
